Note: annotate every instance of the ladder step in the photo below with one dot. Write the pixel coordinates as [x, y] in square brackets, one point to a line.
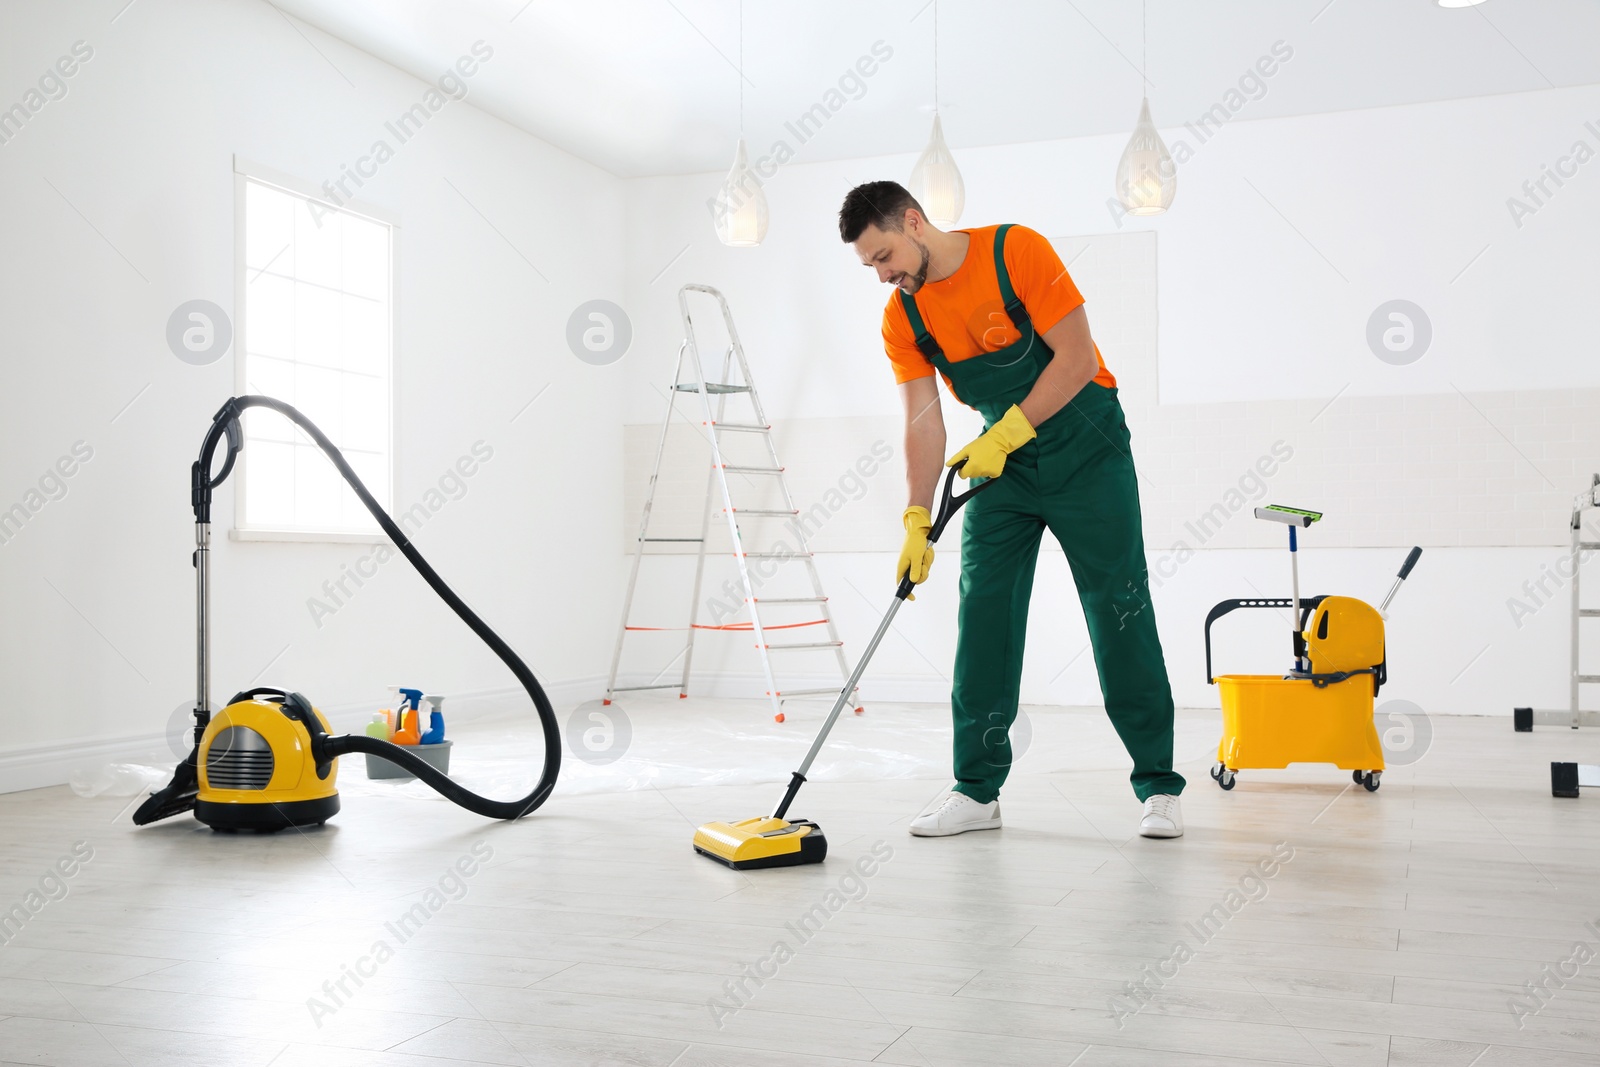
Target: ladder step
[636, 688]
[791, 599]
[1589, 613]
[751, 470]
[1590, 545]
[743, 427]
[776, 555]
[682, 540]
[812, 692]
[766, 511]
[1589, 679]
[712, 388]
[817, 644]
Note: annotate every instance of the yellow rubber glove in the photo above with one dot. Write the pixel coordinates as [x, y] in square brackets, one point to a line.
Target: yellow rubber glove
[986, 456]
[916, 556]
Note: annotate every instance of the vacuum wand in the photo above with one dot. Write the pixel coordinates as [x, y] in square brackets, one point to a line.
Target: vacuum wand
[799, 776]
[224, 425]
[202, 627]
[949, 504]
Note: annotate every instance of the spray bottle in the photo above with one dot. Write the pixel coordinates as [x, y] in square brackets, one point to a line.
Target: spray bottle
[434, 734]
[407, 711]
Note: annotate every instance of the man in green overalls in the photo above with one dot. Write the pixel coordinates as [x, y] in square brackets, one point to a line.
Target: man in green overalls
[994, 312]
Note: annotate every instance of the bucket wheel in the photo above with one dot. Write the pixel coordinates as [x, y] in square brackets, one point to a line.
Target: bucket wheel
[1368, 780]
[1223, 776]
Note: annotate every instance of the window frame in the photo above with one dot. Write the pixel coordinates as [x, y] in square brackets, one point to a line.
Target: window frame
[245, 171]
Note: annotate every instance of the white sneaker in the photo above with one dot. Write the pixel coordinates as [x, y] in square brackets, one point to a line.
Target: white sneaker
[1162, 817]
[955, 813]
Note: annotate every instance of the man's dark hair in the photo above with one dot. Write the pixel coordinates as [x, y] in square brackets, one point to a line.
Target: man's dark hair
[880, 204]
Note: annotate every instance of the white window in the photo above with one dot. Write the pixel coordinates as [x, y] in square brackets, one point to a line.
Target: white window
[316, 330]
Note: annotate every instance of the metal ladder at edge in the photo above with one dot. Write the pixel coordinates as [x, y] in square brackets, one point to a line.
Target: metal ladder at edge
[714, 425]
[1588, 499]
[1574, 714]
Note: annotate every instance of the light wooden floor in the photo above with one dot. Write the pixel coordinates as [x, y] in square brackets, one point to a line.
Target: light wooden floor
[1396, 934]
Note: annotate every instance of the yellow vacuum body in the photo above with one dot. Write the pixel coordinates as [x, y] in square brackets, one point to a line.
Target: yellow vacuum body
[257, 768]
[750, 844]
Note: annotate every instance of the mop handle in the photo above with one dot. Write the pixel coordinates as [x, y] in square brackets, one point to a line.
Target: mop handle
[1399, 579]
[1298, 642]
[948, 506]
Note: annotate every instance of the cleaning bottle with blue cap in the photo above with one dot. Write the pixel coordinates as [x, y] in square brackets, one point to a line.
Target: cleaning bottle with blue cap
[407, 714]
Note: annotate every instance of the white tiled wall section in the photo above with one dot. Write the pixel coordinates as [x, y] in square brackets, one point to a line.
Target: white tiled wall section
[1478, 469]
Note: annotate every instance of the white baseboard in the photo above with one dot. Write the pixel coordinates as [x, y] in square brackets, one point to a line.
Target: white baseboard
[38, 766]
[52, 763]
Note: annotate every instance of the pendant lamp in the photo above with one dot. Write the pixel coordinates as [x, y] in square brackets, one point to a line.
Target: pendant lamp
[1147, 179]
[935, 181]
[740, 208]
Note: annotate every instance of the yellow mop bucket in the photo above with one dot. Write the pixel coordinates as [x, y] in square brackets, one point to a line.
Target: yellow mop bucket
[1321, 711]
[1270, 722]
[1323, 715]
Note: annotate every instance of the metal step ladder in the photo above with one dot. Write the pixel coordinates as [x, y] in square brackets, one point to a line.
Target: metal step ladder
[1566, 778]
[745, 525]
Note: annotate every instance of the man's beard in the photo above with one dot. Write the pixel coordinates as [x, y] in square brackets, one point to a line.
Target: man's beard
[910, 283]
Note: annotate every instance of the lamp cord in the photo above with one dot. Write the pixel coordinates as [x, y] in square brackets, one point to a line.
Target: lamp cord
[741, 70]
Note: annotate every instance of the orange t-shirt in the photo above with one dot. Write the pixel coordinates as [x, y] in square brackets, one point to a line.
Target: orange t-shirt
[965, 314]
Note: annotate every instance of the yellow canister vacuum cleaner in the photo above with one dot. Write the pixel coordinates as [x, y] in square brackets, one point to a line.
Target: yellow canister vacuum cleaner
[1321, 710]
[268, 761]
[772, 841]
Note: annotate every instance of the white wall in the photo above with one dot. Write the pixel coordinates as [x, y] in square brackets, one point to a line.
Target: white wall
[119, 205]
[1242, 333]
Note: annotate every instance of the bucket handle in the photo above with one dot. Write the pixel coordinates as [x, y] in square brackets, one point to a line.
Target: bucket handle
[1307, 606]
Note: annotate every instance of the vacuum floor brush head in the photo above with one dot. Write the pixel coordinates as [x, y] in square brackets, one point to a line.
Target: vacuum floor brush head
[750, 844]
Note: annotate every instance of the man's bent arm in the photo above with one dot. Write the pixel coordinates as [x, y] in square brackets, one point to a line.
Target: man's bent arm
[924, 440]
[1073, 367]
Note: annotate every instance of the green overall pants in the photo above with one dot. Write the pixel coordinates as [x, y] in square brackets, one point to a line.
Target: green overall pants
[1076, 478]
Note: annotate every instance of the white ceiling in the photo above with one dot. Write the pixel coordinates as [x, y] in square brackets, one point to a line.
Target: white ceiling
[644, 87]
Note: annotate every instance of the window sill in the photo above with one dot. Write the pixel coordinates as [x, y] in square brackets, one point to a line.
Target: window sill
[312, 536]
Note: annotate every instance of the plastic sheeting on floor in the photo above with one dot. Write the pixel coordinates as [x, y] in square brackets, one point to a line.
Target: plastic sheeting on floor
[655, 743]
[117, 779]
[666, 744]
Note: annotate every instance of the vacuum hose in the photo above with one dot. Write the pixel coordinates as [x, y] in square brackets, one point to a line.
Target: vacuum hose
[226, 423]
